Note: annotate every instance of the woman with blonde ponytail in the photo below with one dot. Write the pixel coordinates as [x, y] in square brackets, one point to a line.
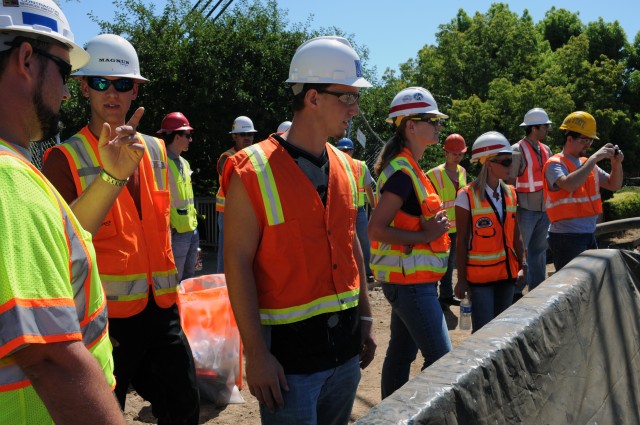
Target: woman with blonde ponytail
[408, 230]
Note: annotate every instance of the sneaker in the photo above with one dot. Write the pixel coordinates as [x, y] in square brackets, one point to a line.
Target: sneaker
[449, 301]
[370, 279]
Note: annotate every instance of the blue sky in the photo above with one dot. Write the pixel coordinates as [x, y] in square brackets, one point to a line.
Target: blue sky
[393, 32]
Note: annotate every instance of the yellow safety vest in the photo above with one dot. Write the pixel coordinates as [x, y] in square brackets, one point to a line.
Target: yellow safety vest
[447, 191]
[183, 210]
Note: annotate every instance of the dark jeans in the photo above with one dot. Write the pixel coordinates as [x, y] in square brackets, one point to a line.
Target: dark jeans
[489, 300]
[567, 246]
[153, 355]
[446, 282]
[361, 230]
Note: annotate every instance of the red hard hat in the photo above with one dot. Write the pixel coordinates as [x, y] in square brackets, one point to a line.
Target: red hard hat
[175, 121]
[455, 143]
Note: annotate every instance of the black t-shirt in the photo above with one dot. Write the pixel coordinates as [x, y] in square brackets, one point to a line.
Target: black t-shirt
[401, 184]
[327, 340]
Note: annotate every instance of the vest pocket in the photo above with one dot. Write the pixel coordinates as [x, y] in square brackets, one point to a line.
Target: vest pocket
[161, 203]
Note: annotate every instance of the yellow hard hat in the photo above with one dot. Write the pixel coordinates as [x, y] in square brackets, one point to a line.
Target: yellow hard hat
[580, 122]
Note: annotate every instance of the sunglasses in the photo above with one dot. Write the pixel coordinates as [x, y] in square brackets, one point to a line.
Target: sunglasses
[504, 162]
[344, 97]
[64, 67]
[187, 135]
[102, 84]
[434, 121]
[245, 134]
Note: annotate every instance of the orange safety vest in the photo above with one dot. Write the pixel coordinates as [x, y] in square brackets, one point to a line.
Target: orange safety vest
[492, 255]
[133, 254]
[304, 264]
[220, 195]
[583, 202]
[88, 302]
[532, 178]
[447, 191]
[423, 262]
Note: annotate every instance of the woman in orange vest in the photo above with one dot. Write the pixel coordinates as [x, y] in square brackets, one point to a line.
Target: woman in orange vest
[408, 230]
[490, 254]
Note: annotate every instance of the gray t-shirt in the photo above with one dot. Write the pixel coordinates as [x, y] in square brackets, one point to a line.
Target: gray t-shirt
[572, 225]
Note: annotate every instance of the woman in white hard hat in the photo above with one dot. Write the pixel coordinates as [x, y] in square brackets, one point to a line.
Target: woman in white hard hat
[408, 230]
[490, 254]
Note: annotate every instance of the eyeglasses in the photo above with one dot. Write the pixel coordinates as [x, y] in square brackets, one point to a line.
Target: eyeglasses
[102, 84]
[504, 162]
[187, 135]
[434, 121]
[584, 140]
[245, 134]
[345, 97]
[64, 67]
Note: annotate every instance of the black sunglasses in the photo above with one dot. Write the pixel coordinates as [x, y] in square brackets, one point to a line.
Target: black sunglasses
[245, 134]
[344, 97]
[185, 134]
[504, 162]
[102, 84]
[64, 67]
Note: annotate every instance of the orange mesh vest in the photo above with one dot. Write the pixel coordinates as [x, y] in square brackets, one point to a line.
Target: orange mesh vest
[583, 202]
[132, 254]
[532, 179]
[304, 264]
[220, 195]
[424, 262]
[492, 254]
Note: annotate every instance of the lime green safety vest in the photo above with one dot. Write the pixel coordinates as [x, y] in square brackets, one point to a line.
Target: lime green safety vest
[447, 191]
[183, 210]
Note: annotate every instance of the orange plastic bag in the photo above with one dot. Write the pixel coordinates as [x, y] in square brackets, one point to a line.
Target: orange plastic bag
[212, 332]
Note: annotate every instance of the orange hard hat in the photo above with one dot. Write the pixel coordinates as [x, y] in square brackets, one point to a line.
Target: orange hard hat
[455, 143]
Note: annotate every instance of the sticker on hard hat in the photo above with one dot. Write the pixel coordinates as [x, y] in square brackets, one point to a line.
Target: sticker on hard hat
[122, 62]
[418, 96]
[484, 222]
[358, 68]
[578, 121]
[35, 19]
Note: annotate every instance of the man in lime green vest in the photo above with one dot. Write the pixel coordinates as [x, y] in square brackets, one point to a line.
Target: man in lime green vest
[447, 178]
[177, 135]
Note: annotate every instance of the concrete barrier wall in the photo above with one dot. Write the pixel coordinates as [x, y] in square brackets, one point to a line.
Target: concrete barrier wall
[567, 353]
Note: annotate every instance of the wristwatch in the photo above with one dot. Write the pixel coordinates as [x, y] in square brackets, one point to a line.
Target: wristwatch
[112, 180]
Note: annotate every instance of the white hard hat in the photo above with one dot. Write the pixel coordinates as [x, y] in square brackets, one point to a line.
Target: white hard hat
[326, 60]
[39, 19]
[411, 101]
[488, 144]
[284, 126]
[243, 124]
[535, 116]
[111, 56]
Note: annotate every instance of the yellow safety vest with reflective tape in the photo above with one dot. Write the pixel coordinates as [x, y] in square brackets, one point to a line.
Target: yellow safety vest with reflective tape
[447, 191]
[304, 264]
[183, 210]
[73, 310]
[411, 264]
[133, 252]
[220, 196]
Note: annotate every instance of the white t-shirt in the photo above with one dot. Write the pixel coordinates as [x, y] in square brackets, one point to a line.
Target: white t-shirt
[462, 200]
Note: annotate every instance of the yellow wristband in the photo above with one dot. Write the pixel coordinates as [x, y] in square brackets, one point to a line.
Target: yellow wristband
[112, 180]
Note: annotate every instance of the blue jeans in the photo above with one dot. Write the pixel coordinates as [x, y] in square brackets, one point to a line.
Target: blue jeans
[324, 397]
[361, 230]
[534, 226]
[220, 263]
[446, 282]
[417, 322]
[489, 300]
[185, 252]
[567, 246]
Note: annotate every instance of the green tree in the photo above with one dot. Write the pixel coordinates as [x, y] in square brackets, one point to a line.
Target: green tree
[559, 25]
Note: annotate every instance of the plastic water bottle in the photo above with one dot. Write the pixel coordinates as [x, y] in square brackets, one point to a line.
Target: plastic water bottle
[198, 267]
[465, 313]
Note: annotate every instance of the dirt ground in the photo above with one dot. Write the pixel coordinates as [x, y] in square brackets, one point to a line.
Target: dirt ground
[138, 411]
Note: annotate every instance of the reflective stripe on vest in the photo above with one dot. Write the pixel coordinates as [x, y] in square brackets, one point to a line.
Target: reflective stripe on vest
[183, 210]
[220, 195]
[361, 192]
[92, 323]
[583, 202]
[274, 216]
[491, 245]
[127, 292]
[424, 262]
[447, 191]
[532, 179]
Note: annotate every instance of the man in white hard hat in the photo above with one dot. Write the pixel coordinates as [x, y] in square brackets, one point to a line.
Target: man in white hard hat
[133, 243]
[242, 133]
[529, 156]
[294, 266]
[55, 351]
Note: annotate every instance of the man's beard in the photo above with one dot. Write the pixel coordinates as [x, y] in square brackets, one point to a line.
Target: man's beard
[49, 120]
